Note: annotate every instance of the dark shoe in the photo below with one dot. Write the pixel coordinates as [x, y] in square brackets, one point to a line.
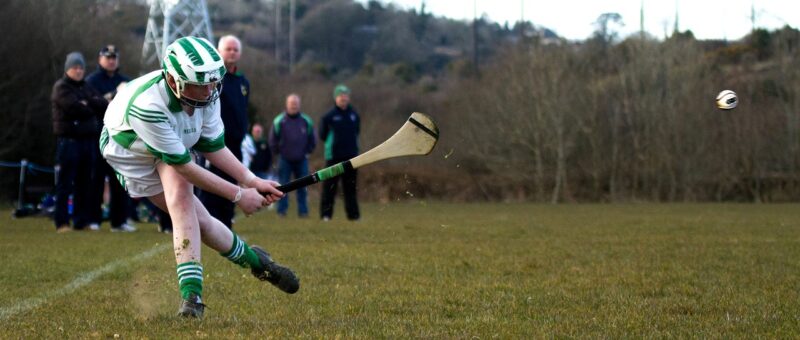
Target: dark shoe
[279, 276]
[192, 307]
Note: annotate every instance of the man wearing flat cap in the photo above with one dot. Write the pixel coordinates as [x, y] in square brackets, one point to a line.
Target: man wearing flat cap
[106, 79]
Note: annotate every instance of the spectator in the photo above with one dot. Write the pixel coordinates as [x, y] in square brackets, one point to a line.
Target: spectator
[292, 139]
[339, 129]
[76, 108]
[256, 153]
[105, 80]
[233, 100]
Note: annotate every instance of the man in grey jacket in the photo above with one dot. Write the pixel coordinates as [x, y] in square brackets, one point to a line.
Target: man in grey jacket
[292, 138]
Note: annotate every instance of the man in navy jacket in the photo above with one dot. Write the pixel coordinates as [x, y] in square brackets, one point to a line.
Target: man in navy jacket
[339, 129]
[106, 79]
[234, 100]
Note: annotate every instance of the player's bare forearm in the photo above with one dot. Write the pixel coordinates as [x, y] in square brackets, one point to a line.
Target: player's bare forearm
[206, 180]
[224, 160]
[250, 200]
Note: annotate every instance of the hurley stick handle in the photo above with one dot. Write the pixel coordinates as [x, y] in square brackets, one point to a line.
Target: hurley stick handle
[332, 171]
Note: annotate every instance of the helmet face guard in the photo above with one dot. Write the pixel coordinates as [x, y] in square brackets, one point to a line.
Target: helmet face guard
[193, 61]
[196, 103]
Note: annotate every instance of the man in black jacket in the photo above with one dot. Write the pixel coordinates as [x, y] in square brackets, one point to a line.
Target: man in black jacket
[76, 107]
[234, 99]
[105, 81]
[339, 129]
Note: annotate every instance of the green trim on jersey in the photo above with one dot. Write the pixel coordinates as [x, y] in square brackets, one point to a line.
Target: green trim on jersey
[156, 114]
[310, 123]
[210, 145]
[125, 138]
[170, 159]
[149, 116]
[139, 91]
[103, 139]
[276, 123]
[121, 179]
[329, 146]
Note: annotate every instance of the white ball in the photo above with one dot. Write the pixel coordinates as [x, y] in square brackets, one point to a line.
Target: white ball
[727, 100]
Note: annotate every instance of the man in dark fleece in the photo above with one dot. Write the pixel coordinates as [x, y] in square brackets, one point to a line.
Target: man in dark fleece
[76, 109]
[292, 138]
[339, 129]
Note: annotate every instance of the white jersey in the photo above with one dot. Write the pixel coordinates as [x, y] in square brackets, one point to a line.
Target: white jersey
[145, 124]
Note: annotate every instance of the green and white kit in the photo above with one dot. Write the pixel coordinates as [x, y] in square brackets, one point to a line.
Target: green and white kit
[145, 124]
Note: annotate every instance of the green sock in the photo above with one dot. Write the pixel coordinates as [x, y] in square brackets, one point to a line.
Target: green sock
[242, 255]
[190, 278]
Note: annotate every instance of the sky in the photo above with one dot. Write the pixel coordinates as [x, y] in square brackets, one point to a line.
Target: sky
[573, 19]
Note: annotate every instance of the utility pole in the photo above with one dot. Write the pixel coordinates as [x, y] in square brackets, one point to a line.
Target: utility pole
[475, 35]
[291, 35]
[170, 20]
[277, 31]
[677, 28]
[522, 18]
[641, 20]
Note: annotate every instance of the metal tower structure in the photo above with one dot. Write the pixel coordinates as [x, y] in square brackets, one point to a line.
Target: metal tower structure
[170, 20]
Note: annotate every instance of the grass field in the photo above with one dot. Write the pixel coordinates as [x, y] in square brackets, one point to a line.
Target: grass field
[428, 270]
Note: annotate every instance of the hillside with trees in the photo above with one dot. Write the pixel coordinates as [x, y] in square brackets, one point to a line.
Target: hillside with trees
[537, 118]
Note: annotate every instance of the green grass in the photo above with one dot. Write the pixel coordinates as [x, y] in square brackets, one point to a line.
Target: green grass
[435, 270]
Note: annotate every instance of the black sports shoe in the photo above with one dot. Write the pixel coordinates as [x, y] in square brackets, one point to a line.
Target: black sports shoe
[279, 276]
[192, 307]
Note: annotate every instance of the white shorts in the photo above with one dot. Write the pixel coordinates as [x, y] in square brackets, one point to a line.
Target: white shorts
[136, 173]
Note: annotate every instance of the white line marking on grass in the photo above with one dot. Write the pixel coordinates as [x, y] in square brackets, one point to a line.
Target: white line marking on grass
[80, 281]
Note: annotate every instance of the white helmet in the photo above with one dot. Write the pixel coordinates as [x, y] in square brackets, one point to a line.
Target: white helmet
[193, 60]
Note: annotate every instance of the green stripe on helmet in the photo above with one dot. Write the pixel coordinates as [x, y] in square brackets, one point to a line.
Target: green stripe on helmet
[200, 77]
[191, 52]
[177, 66]
[211, 50]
